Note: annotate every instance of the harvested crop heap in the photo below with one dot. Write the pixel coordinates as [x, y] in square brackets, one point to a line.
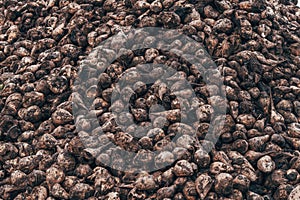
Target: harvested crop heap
[255, 45]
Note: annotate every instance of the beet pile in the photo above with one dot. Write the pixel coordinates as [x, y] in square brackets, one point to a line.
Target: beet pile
[254, 44]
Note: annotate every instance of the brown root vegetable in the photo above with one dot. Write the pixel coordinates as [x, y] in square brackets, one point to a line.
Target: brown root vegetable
[103, 181]
[254, 196]
[294, 193]
[33, 98]
[292, 174]
[183, 168]
[170, 19]
[113, 196]
[236, 194]
[83, 171]
[69, 182]
[46, 141]
[58, 191]
[283, 191]
[145, 182]
[219, 167]
[278, 177]
[253, 156]
[31, 114]
[203, 185]
[240, 146]
[167, 177]
[266, 164]
[61, 117]
[202, 158]
[166, 192]
[54, 175]
[81, 191]
[134, 194]
[18, 178]
[39, 192]
[36, 177]
[241, 182]
[294, 130]
[223, 183]
[257, 143]
[246, 119]
[189, 190]
[156, 6]
[164, 158]
[58, 85]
